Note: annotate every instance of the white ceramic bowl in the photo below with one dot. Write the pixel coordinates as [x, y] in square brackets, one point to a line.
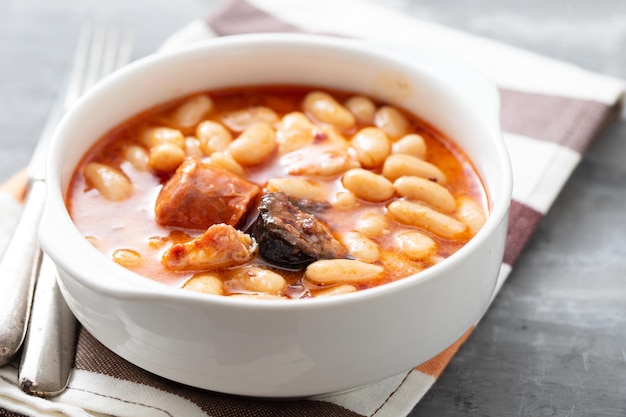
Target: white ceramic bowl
[268, 348]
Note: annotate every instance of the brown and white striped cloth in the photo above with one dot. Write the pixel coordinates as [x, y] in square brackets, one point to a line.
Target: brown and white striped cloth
[550, 113]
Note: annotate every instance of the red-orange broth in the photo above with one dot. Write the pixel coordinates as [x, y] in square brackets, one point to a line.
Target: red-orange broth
[130, 225]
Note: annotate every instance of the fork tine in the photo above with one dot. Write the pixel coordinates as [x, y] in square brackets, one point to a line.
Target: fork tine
[100, 51]
[95, 57]
[125, 50]
[49, 347]
[79, 66]
[110, 51]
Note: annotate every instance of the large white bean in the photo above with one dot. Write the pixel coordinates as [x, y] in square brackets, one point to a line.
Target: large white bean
[111, 183]
[294, 132]
[325, 161]
[207, 283]
[392, 121]
[400, 265]
[137, 156]
[471, 213]
[156, 135]
[193, 147]
[330, 271]
[166, 157]
[418, 215]
[361, 247]
[299, 188]
[127, 257]
[335, 290]
[260, 296]
[227, 162]
[416, 245]
[213, 136]
[192, 111]
[411, 144]
[368, 185]
[324, 108]
[240, 120]
[372, 146]
[421, 189]
[373, 223]
[254, 145]
[344, 200]
[400, 165]
[362, 108]
[260, 280]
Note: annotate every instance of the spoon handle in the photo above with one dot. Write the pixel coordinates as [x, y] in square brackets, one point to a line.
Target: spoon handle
[49, 346]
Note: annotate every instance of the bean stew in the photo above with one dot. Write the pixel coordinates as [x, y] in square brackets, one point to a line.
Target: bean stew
[276, 192]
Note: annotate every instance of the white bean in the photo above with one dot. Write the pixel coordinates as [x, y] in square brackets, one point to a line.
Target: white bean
[421, 189]
[368, 185]
[392, 121]
[300, 188]
[110, 182]
[157, 135]
[418, 215]
[240, 120]
[137, 156]
[400, 165]
[192, 111]
[324, 108]
[362, 108]
[294, 132]
[329, 271]
[254, 145]
[227, 162]
[127, 257]
[411, 144]
[214, 137]
[260, 296]
[335, 290]
[323, 160]
[372, 146]
[400, 265]
[166, 157]
[361, 247]
[207, 283]
[416, 245]
[471, 213]
[373, 223]
[193, 147]
[260, 280]
[344, 200]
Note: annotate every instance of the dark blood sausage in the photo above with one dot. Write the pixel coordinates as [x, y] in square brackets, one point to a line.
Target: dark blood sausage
[200, 195]
[290, 237]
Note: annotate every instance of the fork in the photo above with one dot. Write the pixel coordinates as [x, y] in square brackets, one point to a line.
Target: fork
[35, 312]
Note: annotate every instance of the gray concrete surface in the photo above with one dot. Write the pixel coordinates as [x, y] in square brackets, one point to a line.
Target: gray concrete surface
[554, 341]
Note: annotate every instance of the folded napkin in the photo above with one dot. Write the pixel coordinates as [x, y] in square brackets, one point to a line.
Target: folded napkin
[550, 113]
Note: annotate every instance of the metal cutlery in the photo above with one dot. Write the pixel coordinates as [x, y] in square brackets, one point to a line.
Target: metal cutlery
[29, 296]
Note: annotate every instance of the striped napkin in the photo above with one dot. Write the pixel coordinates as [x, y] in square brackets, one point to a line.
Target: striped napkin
[551, 111]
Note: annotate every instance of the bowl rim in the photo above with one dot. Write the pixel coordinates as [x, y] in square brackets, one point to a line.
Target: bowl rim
[146, 288]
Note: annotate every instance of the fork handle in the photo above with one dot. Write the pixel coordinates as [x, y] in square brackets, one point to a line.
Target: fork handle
[18, 271]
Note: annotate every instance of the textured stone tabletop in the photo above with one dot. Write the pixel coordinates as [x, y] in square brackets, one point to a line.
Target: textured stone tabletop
[554, 341]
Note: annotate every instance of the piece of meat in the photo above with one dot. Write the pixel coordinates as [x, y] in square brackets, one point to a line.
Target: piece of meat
[199, 195]
[290, 237]
[220, 246]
